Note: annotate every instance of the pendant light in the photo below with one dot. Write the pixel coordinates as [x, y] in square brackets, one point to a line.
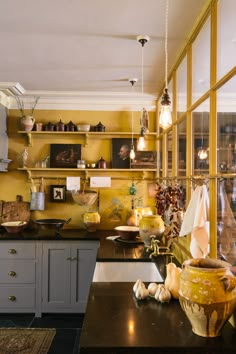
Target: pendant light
[165, 116]
[132, 152]
[144, 120]
[202, 153]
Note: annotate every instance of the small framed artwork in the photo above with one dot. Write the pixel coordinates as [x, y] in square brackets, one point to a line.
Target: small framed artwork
[57, 193]
[64, 155]
[144, 159]
[121, 151]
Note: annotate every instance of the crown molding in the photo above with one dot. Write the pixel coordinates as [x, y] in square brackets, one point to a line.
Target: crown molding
[77, 100]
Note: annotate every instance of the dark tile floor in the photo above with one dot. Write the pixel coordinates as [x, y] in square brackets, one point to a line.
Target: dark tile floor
[68, 328]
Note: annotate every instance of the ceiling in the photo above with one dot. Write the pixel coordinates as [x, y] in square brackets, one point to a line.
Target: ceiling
[90, 46]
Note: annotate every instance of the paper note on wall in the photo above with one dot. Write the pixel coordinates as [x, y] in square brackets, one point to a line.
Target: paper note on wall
[73, 183]
[98, 182]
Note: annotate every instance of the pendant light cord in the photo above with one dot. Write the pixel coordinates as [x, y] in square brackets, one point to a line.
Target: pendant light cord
[166, 37]
[132, 118]
[142, 67]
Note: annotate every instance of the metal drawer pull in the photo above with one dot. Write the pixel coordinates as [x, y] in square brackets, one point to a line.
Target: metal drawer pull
[12, 298]
[68, 258]
[12, 251]
[12, 273]
[74, 259]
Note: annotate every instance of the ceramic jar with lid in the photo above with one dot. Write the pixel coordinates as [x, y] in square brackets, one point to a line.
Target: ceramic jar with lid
[150, 225]
[49, 127]
[81, 164]
[100, 127]
[102, 163]
[70, 127]
[60, 126]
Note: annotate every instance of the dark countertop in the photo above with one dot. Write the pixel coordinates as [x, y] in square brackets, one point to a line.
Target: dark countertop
[115, 322]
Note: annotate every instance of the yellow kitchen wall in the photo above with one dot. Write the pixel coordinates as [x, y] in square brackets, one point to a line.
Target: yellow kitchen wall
[114, 202]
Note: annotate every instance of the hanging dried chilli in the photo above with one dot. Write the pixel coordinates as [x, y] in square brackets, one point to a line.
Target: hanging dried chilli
[170, 202]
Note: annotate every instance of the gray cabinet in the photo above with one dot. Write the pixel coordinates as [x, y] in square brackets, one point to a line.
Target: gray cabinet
[19, 280]
[67, 272]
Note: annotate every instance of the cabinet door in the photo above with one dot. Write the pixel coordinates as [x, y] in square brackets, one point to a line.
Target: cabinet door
[82, 269]
[56, 275]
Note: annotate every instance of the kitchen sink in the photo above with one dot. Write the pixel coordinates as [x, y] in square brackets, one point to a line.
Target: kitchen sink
[126, 271]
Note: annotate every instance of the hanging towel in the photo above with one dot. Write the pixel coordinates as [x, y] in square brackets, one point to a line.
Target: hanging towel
[196, 222]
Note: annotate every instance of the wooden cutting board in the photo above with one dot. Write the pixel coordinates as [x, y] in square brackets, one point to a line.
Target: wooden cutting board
[14, 211]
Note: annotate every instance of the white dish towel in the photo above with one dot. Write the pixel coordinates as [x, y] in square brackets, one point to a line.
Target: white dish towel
[196, 222]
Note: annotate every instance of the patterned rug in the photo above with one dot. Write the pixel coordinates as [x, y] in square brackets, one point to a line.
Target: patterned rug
[26, 340]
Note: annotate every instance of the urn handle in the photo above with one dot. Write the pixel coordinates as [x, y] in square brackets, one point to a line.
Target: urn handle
[229, 282]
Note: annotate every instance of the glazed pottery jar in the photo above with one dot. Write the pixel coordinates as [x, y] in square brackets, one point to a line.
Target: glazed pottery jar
[151, 225]
[207, 294]
[91, 220]
[27, 123]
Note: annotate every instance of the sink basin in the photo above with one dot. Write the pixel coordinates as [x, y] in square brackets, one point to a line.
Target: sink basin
[126, 271]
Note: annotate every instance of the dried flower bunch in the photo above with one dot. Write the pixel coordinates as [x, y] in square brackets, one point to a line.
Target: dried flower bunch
[20, 104]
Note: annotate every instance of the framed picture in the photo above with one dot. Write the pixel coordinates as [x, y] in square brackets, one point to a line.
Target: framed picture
[64, 155]
[144, 159]
[57, 193]
[120, 152]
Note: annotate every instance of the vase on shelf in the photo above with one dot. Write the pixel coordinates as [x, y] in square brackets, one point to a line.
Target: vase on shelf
[207, 294]
[27, 123]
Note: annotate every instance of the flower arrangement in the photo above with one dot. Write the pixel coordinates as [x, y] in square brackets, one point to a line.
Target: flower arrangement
[20, 104]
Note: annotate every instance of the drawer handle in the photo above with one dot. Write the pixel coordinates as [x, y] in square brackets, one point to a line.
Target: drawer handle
[12, 273]
[12, 298]
[12, 251]
[74, 259]
[68, 258]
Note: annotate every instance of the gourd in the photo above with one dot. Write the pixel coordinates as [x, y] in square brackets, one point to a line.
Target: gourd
[172, 279]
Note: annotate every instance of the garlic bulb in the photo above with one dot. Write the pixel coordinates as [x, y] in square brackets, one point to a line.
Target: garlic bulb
[162, 294]
[136, 285]
[140, 290]
[152, 288]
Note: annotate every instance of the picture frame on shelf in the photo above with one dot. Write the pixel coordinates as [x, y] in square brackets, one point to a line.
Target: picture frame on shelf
[58, 193]
[120, 152]
[64, 155]
[144, 160]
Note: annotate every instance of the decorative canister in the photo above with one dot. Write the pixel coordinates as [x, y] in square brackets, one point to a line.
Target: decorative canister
[91, 220]
[27, 123]
[60, 126]
[207, 294]
[102, 163]
[100, 127]
[151, 225]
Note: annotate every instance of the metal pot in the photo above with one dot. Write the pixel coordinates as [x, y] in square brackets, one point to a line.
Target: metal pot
[55, 224]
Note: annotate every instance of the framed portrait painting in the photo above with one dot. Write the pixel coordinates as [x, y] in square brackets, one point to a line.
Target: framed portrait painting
[57, 193]
[121, 151]
[64, 155]
[145, 160]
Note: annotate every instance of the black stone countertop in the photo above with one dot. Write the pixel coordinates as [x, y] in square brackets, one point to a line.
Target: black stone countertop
[115, 322]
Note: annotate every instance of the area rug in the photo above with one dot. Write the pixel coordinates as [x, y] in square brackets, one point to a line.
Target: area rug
[26, 340]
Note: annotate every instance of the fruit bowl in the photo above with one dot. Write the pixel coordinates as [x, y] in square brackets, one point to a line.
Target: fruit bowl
[127, 232]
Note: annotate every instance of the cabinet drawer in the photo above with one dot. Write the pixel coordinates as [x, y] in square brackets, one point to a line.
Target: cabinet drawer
[17, 250]
[16, 272]
[16, 297]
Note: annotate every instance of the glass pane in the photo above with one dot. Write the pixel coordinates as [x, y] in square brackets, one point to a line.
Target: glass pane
[201, 139]
[226, 36]
[169, 152]
[201, 62]
[181, 160]
[226, 118]
[181, 87]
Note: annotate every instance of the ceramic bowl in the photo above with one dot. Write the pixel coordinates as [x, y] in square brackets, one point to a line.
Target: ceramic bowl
[14, 226]
[127, 232]
[83, 127]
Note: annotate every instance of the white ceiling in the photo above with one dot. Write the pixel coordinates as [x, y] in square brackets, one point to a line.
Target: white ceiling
[90, 45]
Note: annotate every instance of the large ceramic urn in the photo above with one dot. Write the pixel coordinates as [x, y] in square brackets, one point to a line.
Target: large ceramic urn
[91, 220]
[151, 225]
[207, 294]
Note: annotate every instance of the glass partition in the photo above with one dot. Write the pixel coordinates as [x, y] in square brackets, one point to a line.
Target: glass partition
[201, 62]
[181, 87]
[181, 158]
[226, 45]
[201, 138]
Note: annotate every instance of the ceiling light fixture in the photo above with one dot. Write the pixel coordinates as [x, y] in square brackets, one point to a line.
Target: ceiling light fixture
[144, 120]
[132, 151]
[165, 116]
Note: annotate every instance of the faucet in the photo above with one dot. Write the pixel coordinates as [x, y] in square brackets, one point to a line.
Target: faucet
[157, 250]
